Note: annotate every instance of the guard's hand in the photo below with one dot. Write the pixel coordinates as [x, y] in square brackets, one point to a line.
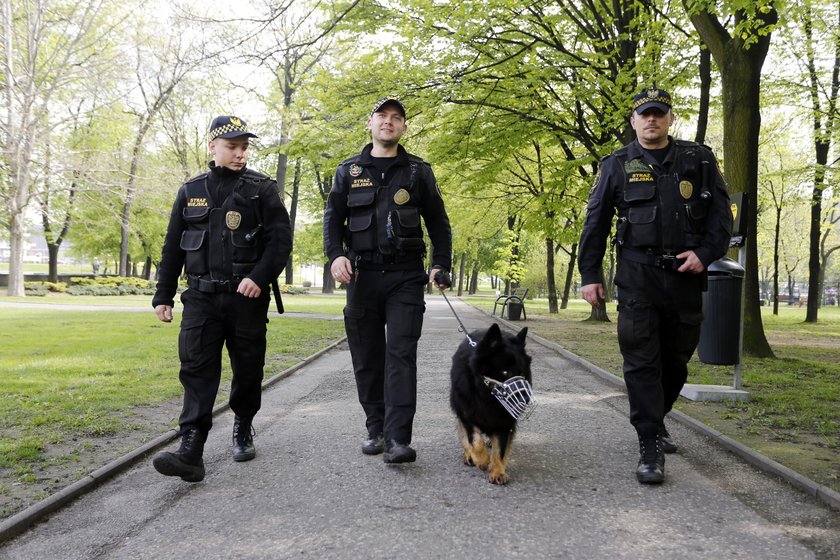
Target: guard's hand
[593, 294]
[692, 264]
[342, 270]
[164, 313]
[248, 288]
[440, 278]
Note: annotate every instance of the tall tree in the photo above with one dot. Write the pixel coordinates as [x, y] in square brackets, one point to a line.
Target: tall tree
[739, 53]
[820, 36]
[47, 46]
[160, 65]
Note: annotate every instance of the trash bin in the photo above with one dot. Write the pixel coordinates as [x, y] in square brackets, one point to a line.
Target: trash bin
[515, 310]
[720, 331]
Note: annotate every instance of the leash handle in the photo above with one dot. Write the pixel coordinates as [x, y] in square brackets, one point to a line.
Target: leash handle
[462, 328]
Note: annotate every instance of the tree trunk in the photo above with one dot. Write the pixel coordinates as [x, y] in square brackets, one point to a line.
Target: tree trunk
[740, 69]
[549, 273]
[776, 261]
[461, 269]
[474, 278]
[17, 245]
[705, 71]
[52, 267]
[290, 273]
[570, 275]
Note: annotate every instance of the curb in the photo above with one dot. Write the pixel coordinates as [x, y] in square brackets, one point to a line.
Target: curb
[24, 519]
[822, 493]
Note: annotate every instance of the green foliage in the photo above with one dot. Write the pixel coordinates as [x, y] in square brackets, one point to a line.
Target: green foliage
[41, 288]
[109, 286]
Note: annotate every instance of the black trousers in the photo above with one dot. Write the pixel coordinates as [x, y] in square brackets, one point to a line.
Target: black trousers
[209, 322]
[659, 316]
[383, 319]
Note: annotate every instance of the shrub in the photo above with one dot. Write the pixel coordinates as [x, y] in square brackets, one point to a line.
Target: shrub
[110, 286]
[38, 289]
[292, 290]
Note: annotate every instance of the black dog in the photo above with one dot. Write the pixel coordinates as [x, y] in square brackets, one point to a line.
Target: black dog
[499, 356]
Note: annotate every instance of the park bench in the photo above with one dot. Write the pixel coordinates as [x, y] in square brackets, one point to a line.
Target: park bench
[516, 298]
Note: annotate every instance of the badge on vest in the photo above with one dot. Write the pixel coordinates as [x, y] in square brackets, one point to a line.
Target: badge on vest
[355, 170]
[686, 188]
[401, 197]
[233, 219]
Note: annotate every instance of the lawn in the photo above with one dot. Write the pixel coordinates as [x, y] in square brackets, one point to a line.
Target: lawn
[793, 413]
[79, 388]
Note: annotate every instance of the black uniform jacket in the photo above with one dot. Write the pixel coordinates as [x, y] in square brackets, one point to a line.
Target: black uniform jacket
[409, 184]
[663, 208]
[215, 233]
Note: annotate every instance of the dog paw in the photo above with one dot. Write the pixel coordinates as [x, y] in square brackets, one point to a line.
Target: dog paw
[499, 478]
[468, 460]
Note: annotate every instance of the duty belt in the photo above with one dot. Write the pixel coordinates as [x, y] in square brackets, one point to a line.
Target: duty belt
[665, 261]
[212, 286]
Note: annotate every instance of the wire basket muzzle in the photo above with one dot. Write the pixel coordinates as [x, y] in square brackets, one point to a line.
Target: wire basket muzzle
[515, 395]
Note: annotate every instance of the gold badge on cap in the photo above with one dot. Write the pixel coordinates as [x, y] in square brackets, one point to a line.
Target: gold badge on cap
[235, 122]
[653, 93]
[686, 188]
[355, 170]
[402, 196]
[233, 219]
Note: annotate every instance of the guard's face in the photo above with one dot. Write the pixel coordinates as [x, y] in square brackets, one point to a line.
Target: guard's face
[652, 127]
[387, 126]
[230, 152]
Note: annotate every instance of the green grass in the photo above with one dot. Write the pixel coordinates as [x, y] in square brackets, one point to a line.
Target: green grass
[72, 378]
[793, 414]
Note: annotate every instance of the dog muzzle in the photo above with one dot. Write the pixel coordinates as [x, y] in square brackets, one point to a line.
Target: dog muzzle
[515, 395]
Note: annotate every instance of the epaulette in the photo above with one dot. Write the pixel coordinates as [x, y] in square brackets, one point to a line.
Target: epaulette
[686, 143]
[198, 177]
[350, 160]
[619, 152]
[254, 177]
[417, 159]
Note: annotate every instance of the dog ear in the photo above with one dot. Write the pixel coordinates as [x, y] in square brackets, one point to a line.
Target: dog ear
[522, 335]
[491, 338]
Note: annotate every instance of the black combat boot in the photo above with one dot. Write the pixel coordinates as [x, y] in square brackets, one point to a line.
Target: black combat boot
[186, 462]
[651, 469]
[668, 445]
[374, 445]
[243, 439]
[396, 452]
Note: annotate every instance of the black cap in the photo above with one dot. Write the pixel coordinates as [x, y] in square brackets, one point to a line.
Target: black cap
[228, 126]
[388, 100]
[652, 98]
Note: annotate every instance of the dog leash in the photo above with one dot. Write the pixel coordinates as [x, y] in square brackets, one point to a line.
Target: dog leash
[462, 328]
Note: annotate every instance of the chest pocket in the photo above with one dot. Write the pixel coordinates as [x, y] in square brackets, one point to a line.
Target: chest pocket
[362, 233]
[642, 224]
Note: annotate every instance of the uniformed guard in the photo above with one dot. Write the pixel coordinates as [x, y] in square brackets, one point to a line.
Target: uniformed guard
[673, 221]
[374, 241]
[229, 232]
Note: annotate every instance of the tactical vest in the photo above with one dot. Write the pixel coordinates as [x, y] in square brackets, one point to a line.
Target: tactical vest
[384, 218]
[665, 213]
[224, 242]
